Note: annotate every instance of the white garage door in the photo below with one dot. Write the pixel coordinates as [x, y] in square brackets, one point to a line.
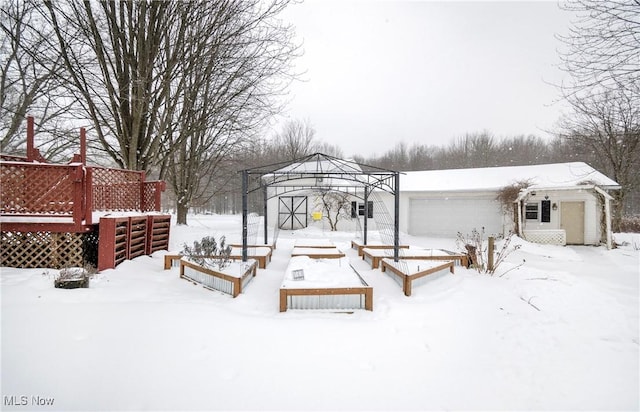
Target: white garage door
[447, 217]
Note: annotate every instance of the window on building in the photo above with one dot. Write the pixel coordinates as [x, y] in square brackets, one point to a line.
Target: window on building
[531, 211]
[359, 207]
[545, 212]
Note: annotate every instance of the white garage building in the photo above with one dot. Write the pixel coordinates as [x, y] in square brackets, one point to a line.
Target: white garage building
[563, 203]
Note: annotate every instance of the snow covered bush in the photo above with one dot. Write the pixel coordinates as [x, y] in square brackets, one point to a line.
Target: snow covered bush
[630, 224]
[477, 251]
[208, 253]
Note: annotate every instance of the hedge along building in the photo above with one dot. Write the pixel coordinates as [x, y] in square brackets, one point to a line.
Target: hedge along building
[563, 203]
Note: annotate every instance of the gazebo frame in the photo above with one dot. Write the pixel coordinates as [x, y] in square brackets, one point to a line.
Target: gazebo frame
[298, 174]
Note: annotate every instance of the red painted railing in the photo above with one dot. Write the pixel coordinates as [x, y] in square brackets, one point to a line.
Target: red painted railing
[67, 195]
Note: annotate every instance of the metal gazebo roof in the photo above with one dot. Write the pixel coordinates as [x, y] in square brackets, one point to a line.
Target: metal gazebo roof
[319, 172]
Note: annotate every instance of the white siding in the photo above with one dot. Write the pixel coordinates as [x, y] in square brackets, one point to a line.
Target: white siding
[592, 214]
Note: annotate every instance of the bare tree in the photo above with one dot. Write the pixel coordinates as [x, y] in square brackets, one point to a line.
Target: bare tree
[28, 82]
[295, 140]
[607, 126]
[603, 45]
[335, 206]
[233, 70]
[602, 57]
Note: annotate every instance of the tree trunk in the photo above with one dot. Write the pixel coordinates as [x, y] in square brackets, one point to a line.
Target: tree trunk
[181, 212]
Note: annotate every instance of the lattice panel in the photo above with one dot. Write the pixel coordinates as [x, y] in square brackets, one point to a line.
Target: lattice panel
[149, 197]
[36, 189]
[41, 249]
[546, 237]
[118, 190]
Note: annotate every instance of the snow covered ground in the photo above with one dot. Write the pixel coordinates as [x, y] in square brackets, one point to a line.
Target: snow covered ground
[559, 333]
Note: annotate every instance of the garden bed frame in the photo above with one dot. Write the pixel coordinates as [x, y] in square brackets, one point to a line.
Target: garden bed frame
[365, 292]
[355, 244]
[407, 279]
[372, 255]
[170, 259]
[314, 244]
[318, 252]
[214, 280]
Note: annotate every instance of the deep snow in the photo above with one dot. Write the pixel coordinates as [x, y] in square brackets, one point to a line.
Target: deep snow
[560, 332]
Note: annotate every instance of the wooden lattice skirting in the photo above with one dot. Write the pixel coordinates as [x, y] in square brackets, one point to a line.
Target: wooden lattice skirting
[47, 249]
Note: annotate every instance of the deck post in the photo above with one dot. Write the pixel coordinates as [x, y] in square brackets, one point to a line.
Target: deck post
[83, 146]
[30, 139]
[245, 183]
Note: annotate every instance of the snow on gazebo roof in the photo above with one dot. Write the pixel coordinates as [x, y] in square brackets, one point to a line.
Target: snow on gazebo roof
[557, 175]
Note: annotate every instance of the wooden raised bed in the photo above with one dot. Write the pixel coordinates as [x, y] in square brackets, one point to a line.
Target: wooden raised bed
[428, 268]
[355, 244]
[231, 284]
[314, 243]
[263, 257]
[375, 256]
[318, 252]
[325, 285]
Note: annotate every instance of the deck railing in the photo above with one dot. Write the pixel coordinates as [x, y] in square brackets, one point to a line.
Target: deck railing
[46, 193]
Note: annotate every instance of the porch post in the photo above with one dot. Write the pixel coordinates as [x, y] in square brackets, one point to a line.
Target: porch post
[607, 218]
[245, 182]
[519, 213]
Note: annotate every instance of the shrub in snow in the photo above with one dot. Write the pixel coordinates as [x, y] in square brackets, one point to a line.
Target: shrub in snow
[630, 224]
[208, 253]
[478, 254]
[508, 195]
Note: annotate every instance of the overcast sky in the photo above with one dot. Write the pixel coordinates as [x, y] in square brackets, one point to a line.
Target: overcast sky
[381, 72]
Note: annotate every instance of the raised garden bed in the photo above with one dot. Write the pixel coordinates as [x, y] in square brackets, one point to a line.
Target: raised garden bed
[358, 245]
[262, 254]
[409, 273]
[318, 253]
[375, 256]
[329, 284]
[232, 279]
[314, 243]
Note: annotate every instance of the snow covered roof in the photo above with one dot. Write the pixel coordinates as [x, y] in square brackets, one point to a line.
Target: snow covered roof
[557, 175]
